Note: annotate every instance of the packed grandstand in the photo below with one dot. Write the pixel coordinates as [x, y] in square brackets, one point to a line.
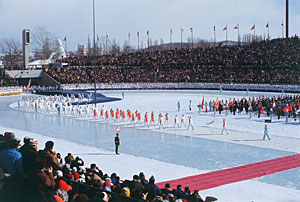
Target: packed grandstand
[266, 62]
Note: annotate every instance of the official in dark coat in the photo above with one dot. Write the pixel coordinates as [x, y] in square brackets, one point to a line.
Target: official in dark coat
[117, 143]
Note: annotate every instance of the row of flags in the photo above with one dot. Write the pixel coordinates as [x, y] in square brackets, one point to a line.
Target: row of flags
[238, 27]
[181, 29]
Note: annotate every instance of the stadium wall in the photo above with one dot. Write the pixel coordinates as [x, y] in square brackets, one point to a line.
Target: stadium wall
[189, 86]
[5, 91]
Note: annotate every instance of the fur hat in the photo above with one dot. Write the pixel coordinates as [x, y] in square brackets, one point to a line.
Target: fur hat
[32, 142]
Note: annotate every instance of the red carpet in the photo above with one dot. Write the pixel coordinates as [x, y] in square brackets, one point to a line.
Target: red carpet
[235, 174]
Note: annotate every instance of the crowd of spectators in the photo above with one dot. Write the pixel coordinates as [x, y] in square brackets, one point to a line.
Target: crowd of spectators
[6, 80]
[30, 174]
[284, 105]
[276, 62]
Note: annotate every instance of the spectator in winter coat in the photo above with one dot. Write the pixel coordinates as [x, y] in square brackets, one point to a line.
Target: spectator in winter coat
[143, 178]
[195, 197]
[167, 190]
[29, 153]
[42, 176]
[69, 158]
[77, 163]
[49, 155]
[11, 158]
[152, 189]
[136, 184]
[179, 192]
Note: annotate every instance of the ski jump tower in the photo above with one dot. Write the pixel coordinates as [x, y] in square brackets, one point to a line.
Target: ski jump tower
[26, 42]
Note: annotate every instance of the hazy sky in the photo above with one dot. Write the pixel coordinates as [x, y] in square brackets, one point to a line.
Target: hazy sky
[73, 18]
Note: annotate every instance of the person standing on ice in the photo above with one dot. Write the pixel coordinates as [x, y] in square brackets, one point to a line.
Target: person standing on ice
[224, 129]
[152, 119]
[146, 119]
[182, 121]
[117, 143]
[166, 119]
[190, 123]
[266, 133]
[176, 121]
[161, 121]
[190, 105]
[178, 106]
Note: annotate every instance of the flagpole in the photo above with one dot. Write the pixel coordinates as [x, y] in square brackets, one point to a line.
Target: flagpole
[181, 38]
[171, 38]
[129, 39]
[148, 40]
[268, 31]
[106, 43]
[192, 37]
[254, 32]
[282, 29]
[214, 36]
[94, 32]
[226, 35]
[138, 35]
[238, 34]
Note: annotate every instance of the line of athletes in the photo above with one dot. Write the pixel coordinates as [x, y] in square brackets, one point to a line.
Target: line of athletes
[136, 118]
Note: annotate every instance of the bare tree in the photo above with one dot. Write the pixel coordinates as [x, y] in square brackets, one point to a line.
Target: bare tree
[13, 54]
[126, 47]
[43, 41]
[115, 48]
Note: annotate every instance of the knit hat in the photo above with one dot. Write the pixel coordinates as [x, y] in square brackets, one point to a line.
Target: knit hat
[59, 173]
[81, 198]
[104, 196]
[9, 136]
[62, 194]
[58, 199]
[32, 142]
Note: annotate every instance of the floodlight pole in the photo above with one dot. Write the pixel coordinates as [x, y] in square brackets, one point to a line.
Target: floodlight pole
[287, 19]
[95, 86]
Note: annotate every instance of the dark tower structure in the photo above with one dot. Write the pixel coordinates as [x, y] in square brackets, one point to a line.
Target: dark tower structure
[287, 18]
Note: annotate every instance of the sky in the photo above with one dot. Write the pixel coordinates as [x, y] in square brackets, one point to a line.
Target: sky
[117, 18]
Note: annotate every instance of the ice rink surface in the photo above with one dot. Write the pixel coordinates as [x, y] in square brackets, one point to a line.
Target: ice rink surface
[204, 148]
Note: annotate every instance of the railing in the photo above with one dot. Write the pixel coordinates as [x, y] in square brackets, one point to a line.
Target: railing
[216, 86]
[4, 91]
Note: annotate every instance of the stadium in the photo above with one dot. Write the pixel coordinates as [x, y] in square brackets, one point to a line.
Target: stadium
[189, 120]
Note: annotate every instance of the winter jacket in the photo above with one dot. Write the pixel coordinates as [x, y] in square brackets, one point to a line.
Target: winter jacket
[11, 161]
[29, 155]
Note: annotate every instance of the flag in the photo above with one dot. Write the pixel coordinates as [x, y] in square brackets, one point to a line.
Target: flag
[274, 105]
[202, 104]
[261, 109]
[211, 122]
[267, 25]
[147, 33]
[182, 30]
[216, 104]
[191, 29]
[286, 108]
[225, 28]
[65, 39]
[236, 27]
[97, 37]
[230, 104]
[253, 27]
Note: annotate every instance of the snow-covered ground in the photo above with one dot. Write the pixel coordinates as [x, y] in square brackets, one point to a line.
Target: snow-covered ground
[168, 153]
